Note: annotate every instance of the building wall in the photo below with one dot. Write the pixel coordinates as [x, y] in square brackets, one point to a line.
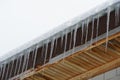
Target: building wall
[110, 75]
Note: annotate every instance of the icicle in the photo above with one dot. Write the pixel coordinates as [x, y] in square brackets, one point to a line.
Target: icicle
[74, 41]
[43, 57]
[1, 70]
[52, 47]
[92, 32]
[43, 52]
[28, 54]
[117, 14]
[4, 66]
[11, 69]
[35, 56]
[6, 76]
[107, 30]
[16, 66]
[82, 32]
[87, 23]
[62, 39]
[71, 33]
[97, 28]
[24, 63]
[19, 64]
[46, 50]
[65, 46]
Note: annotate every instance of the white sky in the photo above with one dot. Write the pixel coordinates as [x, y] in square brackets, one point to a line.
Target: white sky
[25, 20]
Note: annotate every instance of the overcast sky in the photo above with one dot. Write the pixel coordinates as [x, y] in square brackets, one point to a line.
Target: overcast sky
[24, 20]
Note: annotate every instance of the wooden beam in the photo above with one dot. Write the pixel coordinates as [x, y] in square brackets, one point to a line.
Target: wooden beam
[98, 70]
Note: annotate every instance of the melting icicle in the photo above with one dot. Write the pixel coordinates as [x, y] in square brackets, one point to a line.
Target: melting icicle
[82, 32]
[107, 30]
[87, 23]
[46, 49]
[117, 14]
[43, 58]
[92, 32]
[10, 74]
[28, 54]
[97, 28]
[65, 46]
[4, 66]
[71, 33]
[52, 47]
[6, 76]
[24, 62]
[19, 64]
[62, 40]
[1, 71]
[35, 56]
[74, 41]
[16, 66]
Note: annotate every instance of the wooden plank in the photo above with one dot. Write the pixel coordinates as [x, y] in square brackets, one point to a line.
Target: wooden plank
[95, 57]
[77, 65]
[42, 76]
[87, 59]
[99, 56]
[86, 64]
[103, 54]
[45, 73]
[109, 52]
[66, 71]
[55, 74]
[68, 68]
[98, 70]
[114, 47]
[91, 59]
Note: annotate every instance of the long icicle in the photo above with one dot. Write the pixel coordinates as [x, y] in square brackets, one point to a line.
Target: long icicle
[24, 63]
[71, 33]
[6, 76]
[4, 66]
[10, 74]
[87, 23]
[46, 50]
[1, 67]
[35, 56]
[19, 64]
[16, 66]
[91, 42]
[43, 58]
[74, 41]
[62, 35]
[1, 70]
[107, 30]
[28, 54]
[65, 46]
[82, 32]
[52, 47]
[96, 39]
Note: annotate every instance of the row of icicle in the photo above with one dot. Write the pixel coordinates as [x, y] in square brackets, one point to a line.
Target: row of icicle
[4, 73]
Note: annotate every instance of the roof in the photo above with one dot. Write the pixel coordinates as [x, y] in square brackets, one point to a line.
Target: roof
[69, 39]
[59, 29]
